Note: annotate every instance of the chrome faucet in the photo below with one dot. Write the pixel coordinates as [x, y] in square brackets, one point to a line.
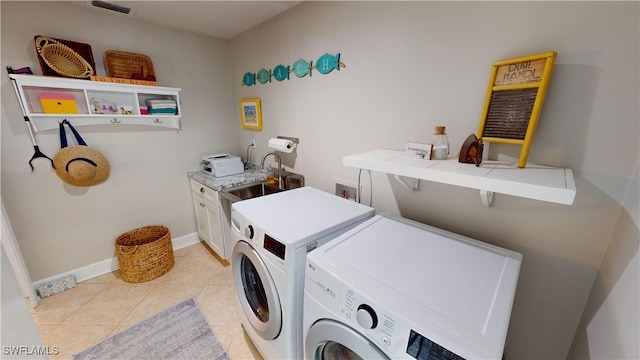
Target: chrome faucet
[250, 147]
[275, 154]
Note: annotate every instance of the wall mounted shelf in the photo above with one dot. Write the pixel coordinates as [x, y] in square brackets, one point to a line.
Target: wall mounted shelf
[127, 97]
[533, 182]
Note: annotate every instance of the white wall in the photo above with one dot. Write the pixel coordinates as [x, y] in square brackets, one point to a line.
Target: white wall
[609, 328]
[409, 66]
[61, 227]
[413, 65]
[17, 326]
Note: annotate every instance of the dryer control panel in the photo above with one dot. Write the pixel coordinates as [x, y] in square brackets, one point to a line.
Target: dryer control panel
[389, 331]
[370, 318]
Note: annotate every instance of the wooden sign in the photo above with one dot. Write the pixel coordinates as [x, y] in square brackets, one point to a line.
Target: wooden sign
[516, 92]
[520, 73]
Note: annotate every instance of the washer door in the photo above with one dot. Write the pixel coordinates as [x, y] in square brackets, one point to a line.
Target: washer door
[256, 291]
[329, 339]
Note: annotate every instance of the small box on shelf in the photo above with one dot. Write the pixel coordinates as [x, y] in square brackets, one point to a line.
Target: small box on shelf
[55, 103]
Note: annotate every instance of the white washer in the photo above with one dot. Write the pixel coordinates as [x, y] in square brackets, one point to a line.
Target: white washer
[273, 235]
[392, 288]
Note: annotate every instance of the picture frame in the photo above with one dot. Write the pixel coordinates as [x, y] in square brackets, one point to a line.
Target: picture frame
[251, 114]
[418, 150]
[102, 106]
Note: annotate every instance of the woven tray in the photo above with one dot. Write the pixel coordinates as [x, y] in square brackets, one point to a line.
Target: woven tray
[144, 253]
[66, 58]
[127, 65]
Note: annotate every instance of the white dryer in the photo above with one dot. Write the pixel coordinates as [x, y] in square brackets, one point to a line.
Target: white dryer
[392, 288]
[273, 235]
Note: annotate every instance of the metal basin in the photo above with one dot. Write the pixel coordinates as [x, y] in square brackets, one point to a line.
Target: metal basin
[249, 191]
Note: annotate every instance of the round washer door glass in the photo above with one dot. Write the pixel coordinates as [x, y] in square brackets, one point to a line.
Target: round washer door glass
[256, 291]
[329, 339]
[334, 350]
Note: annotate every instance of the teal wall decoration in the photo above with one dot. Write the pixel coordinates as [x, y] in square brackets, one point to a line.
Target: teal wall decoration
[301, 68]
[264, 76]
[325, 64]
[249, 79]
[281, 72]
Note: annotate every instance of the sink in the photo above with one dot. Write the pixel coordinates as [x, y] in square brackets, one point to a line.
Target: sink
[290, 181]
[228, 197]
[249, 191]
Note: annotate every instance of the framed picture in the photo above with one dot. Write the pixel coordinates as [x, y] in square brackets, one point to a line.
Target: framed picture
[250, 114]
[102, 106]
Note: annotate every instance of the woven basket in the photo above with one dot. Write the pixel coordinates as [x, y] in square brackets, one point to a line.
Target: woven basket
[62, 59]
[128, 65]
[145, 253]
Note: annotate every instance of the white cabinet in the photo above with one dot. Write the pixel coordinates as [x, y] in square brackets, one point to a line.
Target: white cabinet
[77, 100]
[208, 218]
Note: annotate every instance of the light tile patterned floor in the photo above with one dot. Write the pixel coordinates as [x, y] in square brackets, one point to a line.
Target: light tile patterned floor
[104, 306]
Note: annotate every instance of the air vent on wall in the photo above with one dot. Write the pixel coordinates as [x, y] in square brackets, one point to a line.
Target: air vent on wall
[112, 7]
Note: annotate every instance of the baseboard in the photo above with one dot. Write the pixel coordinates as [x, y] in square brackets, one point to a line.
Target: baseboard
[109, 265]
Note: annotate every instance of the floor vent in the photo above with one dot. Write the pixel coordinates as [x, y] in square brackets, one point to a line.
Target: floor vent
[112, 7]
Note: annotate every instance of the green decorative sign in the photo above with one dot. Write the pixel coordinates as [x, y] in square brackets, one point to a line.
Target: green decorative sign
[301, 68]
[264, 76]
[281, 72]
[249, 79]
[327, 63]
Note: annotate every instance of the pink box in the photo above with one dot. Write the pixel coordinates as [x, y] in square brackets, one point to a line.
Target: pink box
[56, 96]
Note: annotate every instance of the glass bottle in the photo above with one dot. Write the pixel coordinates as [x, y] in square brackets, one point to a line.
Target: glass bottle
[440, 150]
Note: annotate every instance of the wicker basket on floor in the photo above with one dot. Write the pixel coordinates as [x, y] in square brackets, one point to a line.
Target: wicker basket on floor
[145, 253]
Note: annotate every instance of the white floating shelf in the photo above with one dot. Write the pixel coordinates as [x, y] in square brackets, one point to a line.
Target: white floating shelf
[533, 182]
[127, 97]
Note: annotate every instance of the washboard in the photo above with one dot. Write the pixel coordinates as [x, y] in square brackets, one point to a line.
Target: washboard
[516, 92]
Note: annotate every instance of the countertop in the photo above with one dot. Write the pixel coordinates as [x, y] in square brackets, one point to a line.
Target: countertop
[251, 175]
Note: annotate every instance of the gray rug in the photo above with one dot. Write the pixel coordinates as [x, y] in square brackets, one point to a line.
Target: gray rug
[180, 332]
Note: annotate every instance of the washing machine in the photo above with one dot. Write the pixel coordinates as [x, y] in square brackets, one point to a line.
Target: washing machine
[273, 235]
[392, 288]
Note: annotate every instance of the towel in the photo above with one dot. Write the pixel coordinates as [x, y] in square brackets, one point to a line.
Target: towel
[166, 111]
[161, 103]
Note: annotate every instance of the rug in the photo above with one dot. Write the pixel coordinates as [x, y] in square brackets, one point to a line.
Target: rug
[180, 332]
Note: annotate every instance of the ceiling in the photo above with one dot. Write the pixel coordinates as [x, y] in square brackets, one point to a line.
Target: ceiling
[220, 19]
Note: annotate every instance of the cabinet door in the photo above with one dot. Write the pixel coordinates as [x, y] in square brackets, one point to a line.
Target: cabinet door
[215, 230]
[202, 218]
[208, 222]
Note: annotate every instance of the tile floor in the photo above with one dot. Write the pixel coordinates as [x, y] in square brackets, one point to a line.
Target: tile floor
[106, 305]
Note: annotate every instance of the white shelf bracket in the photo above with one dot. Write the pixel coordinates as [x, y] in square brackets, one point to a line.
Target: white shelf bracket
[486, 197]
[416, 183]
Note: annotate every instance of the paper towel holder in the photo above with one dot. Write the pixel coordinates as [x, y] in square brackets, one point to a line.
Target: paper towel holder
[292, 139]
[284, 144]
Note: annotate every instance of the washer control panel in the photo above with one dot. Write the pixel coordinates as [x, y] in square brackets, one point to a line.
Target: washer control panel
[377, 324]
[367, 317]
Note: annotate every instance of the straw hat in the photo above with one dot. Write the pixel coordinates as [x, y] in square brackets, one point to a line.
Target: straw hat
[81, 165]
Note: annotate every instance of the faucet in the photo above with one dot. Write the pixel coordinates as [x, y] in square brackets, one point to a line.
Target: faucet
[250, 147]
[275, 154]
